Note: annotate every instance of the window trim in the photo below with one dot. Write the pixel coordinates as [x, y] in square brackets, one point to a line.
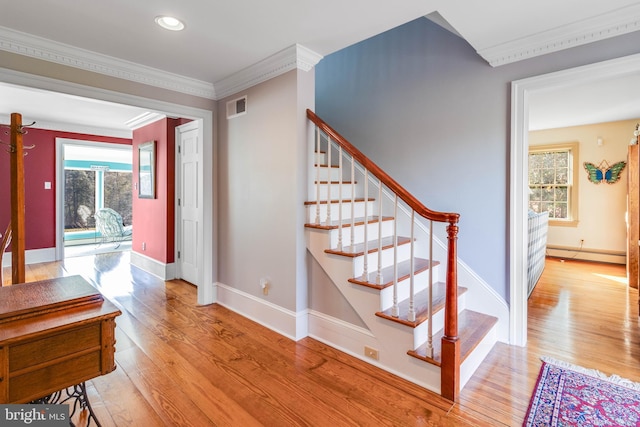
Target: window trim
[573, 147]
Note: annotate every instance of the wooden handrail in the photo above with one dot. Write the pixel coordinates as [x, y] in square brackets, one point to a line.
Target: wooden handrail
[408, 198]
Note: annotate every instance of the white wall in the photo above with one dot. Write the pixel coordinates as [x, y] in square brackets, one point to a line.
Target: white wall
[261, 192]
[601, 207]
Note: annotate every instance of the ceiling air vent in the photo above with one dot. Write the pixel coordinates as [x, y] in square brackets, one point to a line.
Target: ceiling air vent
[237, 107]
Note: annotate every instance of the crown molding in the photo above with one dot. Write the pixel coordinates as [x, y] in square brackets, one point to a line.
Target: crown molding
[48, 50]
[144, 119]
[615, 23]
[293, 57]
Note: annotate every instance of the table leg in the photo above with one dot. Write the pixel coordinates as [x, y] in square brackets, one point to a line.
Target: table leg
[77, 395]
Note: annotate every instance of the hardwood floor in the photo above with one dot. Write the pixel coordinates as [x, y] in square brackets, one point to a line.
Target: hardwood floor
[180, 364]
[580, 312]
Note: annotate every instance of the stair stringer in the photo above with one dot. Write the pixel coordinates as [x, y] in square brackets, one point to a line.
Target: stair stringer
[392, 339]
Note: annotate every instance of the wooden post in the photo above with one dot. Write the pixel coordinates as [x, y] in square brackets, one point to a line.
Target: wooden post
[633, 216]
[450, 368]
[17, 200]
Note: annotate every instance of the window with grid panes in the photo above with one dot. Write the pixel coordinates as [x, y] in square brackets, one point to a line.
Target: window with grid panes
[552, 181]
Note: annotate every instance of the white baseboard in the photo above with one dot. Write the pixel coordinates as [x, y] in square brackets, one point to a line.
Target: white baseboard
[342, 335]
[32, 256]
[152, 266]
[285, 322]
[587, 255]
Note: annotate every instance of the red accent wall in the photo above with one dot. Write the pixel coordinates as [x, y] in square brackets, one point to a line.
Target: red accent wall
[39, 167]
[154, 219]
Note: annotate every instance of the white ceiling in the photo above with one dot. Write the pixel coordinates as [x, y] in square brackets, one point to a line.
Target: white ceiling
[222, 39]
[581, 104]
[57, 111]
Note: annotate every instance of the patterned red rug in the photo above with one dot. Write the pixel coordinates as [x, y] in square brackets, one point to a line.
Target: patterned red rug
[569, 395]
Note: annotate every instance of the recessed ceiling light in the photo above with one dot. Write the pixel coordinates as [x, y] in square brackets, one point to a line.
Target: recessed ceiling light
[169, 23]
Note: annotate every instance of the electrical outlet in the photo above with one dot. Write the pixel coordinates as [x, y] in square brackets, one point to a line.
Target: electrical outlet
[144, 246]
[371, 352]
[264, 284]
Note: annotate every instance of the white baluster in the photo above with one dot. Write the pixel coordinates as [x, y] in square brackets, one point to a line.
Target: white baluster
[379, 278]
[395, 310]
[317, 163]
[411, 316]
[329, 180]
[353, 202]
[430, 305]
[365, 271]
[339, 197]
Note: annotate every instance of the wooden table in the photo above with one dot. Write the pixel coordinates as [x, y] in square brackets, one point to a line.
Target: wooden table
[54, 334]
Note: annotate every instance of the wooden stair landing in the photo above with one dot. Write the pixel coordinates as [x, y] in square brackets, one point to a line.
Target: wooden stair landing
[472, 328]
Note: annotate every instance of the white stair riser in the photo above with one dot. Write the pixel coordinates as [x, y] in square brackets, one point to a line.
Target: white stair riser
[473, 361]
[358, 235]
[421, 332]
[358, 211]
[372, 259]
[420, 283]
[320, 158]
[327, 173]
[335, 191]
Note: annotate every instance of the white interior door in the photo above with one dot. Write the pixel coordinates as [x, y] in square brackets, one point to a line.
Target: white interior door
[189, 210]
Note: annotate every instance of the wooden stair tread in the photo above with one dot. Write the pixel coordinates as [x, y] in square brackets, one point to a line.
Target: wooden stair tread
[404, 272]
[347, 200]
[335, 182]
[472, 328]
[357, 221]
[358, 249]
[420, 304]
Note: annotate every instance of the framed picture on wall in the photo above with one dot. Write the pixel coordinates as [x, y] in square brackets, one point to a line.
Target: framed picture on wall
[147, 170]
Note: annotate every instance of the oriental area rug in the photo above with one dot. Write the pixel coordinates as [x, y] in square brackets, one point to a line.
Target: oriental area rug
[569, 395]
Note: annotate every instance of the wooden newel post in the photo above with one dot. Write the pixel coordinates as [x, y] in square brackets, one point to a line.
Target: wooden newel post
[450, 368]
[17, 200]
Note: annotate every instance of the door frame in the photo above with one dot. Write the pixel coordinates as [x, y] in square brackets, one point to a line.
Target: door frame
[518, 200]
[206, 292]
[178, 186]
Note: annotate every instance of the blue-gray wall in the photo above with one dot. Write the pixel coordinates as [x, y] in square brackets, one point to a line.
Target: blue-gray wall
[433, 114]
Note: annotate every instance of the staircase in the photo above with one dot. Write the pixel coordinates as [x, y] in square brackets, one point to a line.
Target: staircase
[395, 261]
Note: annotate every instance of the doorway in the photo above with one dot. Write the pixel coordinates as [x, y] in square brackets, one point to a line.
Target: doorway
[520, 93]
[206, 293]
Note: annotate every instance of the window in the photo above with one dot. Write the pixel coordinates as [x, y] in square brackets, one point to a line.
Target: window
[95, 176]
[553, 182]
[88, 190]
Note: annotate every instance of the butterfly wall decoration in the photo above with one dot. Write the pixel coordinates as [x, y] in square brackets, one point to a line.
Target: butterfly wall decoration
[604, 172]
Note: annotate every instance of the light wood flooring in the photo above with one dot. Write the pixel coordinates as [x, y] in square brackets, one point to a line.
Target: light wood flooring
[180, 364]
